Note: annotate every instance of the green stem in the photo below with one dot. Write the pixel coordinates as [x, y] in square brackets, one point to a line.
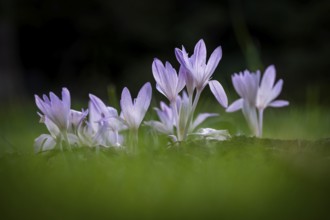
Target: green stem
[191, 113]
[176, 118]
[261, 115]
[133, 140]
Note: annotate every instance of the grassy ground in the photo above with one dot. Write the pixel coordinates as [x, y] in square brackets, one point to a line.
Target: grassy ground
[284, 176]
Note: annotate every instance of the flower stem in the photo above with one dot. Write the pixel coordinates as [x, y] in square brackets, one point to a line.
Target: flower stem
[191, 114]
[133, 140]
[261, 115]
[176, 118]
[66, 140]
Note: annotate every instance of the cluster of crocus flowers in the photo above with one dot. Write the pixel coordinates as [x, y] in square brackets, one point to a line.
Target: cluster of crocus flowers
[101, 125]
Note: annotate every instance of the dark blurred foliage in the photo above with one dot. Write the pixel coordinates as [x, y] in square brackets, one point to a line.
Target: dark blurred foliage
[88, 45]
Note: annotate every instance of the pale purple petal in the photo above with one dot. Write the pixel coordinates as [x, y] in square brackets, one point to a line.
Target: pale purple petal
[276, 90]
[160, 89]
[235, 106]
[59, 112]
[126, 102]
[181, 80]
[201, 118]
[268, 79]
[199, 54]
[179, 56]
[44, 142]
[158, 126]
[184, 110]
[40, 104]
[237, 84]
[161, 77]
[144, 98]
[46, 99]
[188, 78]
[52, 127]
[182, 57]
[94, 116]
[76, 118]
[73, 139]
[218, 92]
[112, 112]
[66, 98]
[279, 103]
[99, 105]
[157, 70]
[213, 61]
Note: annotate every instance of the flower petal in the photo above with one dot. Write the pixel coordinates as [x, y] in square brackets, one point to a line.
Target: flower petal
[66, 99]
[144, 98]
[158, 126]
[201, 118]
[188, 78]
[98, 104]
[40, 104]
[268, 79]
[213, 61]
[235, 106]
[199, 54]
[219, 92]
[276, 90]
[279, 103]
[237, 84]
[44, 142]
[181, 80]
[157, 70]
[126, 102]
[52, 127]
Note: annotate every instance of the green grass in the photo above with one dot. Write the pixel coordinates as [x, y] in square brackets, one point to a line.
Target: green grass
[284, 176]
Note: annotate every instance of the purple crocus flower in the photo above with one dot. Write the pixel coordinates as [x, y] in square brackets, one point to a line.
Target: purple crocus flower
[267, 92]
[57, 110]
[104, 125]
[177, 116]
[166, 117]
[167, 81]
[59, 119]
[246, 85]
[196, 64]
[133, 111]
[256, 96]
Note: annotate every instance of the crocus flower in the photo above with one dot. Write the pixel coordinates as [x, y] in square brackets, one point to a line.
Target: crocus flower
[59, 120]
[196, 64]
[177, 116]
[246, 85]
[46, 142]
[167, 121]
[57, 110]
[76, 118]
[167, 81]
[198, 72]
[256, 96]
[104, 125]
[133, 112]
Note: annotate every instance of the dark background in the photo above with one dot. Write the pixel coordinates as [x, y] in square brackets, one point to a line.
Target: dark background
[88, 45]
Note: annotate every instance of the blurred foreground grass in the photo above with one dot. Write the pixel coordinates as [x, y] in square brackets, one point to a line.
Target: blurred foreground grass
[244, 178]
